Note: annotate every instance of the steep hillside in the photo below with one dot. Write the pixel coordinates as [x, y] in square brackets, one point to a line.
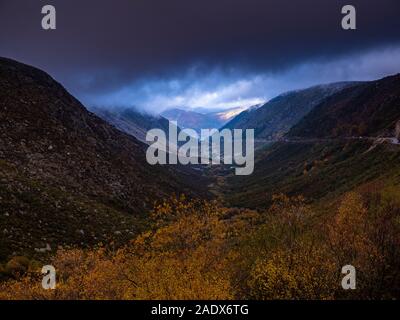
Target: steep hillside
[315, 170]
[369, 109]
[66, 176]
[273, 119]
[132, 121]
[337, 147]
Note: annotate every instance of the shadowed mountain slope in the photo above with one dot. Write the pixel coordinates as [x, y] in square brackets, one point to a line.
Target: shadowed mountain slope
[274, 119]
[132, 121]
[66, 176]
[368, 109]
[337, 147]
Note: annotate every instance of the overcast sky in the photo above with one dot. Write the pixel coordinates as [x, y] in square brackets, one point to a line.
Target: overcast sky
[158, 54]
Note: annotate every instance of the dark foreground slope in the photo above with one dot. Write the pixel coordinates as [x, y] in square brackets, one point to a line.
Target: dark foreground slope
[334, 149]
[66, 176]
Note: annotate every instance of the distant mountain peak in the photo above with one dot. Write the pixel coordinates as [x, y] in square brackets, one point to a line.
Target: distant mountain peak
[187, 118]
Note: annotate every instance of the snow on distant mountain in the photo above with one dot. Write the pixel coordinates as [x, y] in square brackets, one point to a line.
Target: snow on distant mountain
[229, 114]
[198, 120]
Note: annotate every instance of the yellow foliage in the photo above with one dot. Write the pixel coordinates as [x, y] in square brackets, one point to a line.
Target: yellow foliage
[292, 275]
[200, 250]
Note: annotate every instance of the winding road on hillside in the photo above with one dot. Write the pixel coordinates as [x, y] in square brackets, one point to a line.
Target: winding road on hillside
[391, 140]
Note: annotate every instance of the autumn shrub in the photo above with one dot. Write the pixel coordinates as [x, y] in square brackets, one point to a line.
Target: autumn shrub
[197, 249]
[184, 257]
[287, 260]
[300, 274]
[365, 234]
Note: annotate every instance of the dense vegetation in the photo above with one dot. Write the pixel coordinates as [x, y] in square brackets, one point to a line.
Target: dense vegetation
[317, 170]
[199, 250]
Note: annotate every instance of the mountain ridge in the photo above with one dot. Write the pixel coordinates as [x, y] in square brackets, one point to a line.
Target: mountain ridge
[273, 119]
[325, 154]
[356, 111]
[68, 177]
[132, 121]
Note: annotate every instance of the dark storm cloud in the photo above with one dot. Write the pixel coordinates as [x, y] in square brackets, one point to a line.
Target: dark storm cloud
[102, 46]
